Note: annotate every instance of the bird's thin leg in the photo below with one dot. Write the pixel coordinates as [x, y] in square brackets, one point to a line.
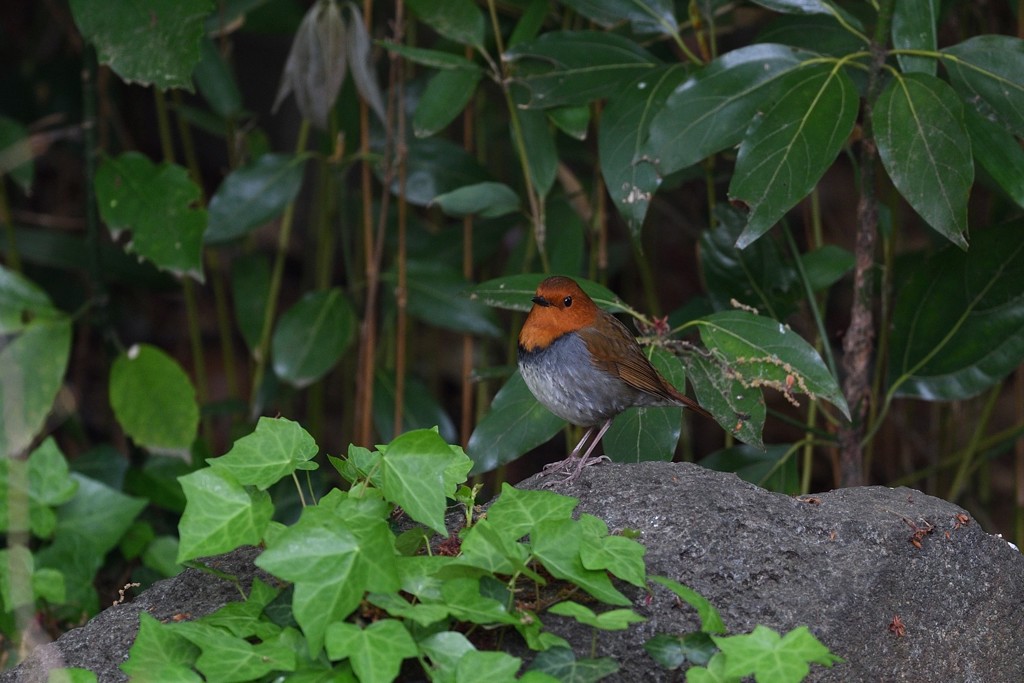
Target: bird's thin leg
[565, 466]
[586, 460]
[574, 464]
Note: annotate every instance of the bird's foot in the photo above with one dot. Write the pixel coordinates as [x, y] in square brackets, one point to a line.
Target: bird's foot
[567, 471]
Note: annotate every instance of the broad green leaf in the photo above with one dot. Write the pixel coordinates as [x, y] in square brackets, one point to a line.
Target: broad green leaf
[771, 657]
[787, 151]
[568, 68]
[812, 32]
[397, 606]
[156, 42]
[436, 166]
[738, 407]
[710, 621]
[958, 324]
[998, 152]
[773, 468]
[797, 6]
[277, 448]
[561, 663]
[515, 292]
[713, 108]
[23, 302]
[914, 27]
[160, 654]
[16, 156]
[444, 98]
[458, 20]
[436, 295]
[630, 177]
[764, 352]
[216, 82]
[622, 556]
[612, 620]
[671, 651]
[646, 16]
[251, 196]
[573, 121]
[421, 408]
[376, 652]
[515, 424]
[924, 146]
[466, 601]
[484, 545]
[986, 71]
[518, 511]
[153, 399]
[539, 144]
[435, 59]
[493, 667]
[311, 336]
[486, 200]
[445, 649]
[640, 434]
[220, 515]
[158, 204]
[556, 543]
[32, 366]
[250, 288]
[826, 265]
[413, 469]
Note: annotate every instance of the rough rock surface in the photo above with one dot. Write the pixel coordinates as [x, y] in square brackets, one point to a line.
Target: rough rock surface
[843, 563]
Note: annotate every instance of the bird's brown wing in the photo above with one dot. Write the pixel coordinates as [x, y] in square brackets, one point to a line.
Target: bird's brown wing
[619, 353]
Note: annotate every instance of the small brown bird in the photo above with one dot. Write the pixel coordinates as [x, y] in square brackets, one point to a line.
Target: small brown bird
[585, 366]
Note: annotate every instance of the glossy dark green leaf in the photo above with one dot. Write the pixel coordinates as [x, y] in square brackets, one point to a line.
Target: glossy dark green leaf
[32, 366]
[827, 265]
[435, 59]
[458, 20]
[757, 276]
[737, 407]
[311, 336]
[773, 468]
[249, 197]
[568, 68]
[671, 651]
[999, 153]
[437, 295]
[787, 151]
[645, 16]
[630, 177]
[216, 82]
[420, 408]
[530, 22]
[436, 166]
[640, 434]
[796, 6]
[560, 663]
[250, 287]
[764, 352]
[446, 95]
[812, 32]
[515, 292]
[154, 400]
[713, 108]
[924, 146]
[16, 160]
[155, 42]
[158, 203]
[23, 302]
[914, 27]
[541, 154]
[515, 424]
[487, 200]
[958, 325]
[573, 121]
[986, 71]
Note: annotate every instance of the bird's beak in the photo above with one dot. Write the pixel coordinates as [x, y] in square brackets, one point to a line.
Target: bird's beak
[541, 301]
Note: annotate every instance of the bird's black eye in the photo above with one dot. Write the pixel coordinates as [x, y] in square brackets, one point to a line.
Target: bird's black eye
[567, 301]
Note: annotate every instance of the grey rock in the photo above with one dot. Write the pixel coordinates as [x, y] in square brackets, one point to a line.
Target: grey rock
[843, 563]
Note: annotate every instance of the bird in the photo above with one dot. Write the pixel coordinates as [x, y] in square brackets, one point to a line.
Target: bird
[585, 366]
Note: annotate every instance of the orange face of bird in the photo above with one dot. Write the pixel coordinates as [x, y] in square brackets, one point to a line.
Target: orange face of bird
[559, 307]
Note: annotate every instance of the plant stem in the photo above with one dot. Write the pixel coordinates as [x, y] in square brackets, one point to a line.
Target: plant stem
[973, 447]
[858, 341]
[401, 290]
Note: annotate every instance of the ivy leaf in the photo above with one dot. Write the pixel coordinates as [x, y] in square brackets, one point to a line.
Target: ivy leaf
[376, 652]
[43, 482]
[787, 150]
[220, 514]
[518, 511]
[612, 620]
[556, 543]
[153, 399]
[156, 42]
[772, 657]
[561, 663]
[710, 620]
[414, 475]
[926, 150]
[158, 204]
[274, 450]
[160, 654]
